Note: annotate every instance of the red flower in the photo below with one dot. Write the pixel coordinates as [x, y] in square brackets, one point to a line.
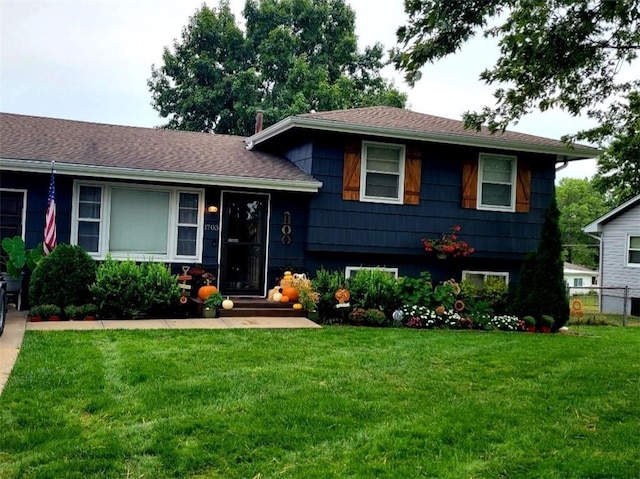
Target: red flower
[448, 244]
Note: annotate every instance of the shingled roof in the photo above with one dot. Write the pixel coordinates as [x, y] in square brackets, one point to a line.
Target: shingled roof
[391, 122]
[30, 143]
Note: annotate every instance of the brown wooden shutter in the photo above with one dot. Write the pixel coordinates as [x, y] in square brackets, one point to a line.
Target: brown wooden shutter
[351, 172]
[470, 183]
[523, 187]
[412, 176]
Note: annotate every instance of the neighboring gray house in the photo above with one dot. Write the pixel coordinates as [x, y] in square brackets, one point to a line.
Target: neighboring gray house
[619, 235]
[579, 279]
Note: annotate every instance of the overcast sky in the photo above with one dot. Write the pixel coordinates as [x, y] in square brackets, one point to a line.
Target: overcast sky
[90, 60]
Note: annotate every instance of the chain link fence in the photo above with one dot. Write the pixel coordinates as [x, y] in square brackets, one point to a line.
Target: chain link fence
[623, 301]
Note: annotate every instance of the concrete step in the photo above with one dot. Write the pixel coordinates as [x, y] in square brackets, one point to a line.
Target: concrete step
[248, 307]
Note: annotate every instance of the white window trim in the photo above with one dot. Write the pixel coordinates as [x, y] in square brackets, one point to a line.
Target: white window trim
[514, 179]
[504, 274]
[628, 248]
[105, 216]
[352, 269]
[24, 209]
[363, 174]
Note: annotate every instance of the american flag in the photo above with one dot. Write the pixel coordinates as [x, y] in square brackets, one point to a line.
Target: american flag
[50, 219]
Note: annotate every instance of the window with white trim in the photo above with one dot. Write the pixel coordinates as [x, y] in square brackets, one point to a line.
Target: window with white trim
[497, 182]
[382, 171]
[479, 278]
[138, 222]
[633, 254]
[351, 270]
[577, 282]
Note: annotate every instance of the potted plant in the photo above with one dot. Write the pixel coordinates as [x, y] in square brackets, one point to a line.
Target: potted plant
[15, 257]
[51, 312]
[529, 324]
[212, 305]
[546, 323]
[448, 245]
[88, 311]
[71, 312]
[35, 314]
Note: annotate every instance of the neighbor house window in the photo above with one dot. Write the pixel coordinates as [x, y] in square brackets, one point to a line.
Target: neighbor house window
[351, 270]
[634, 250]
[497, 182]
[479, 278]
[577, 282]
[138, 222]
[382, 172]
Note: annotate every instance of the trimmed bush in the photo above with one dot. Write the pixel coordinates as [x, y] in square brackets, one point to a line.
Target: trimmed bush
[375, 289]
[124, 289]
[63, 277]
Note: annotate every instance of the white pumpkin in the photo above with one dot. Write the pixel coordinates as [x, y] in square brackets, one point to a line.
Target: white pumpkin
[227, 304]
[277, 297]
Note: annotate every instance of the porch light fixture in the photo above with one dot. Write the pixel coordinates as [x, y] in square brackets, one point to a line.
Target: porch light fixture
[212, 209]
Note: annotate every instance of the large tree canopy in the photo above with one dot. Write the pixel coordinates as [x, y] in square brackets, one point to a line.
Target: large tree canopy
[579, 205]
[293, 57]
[564, 54]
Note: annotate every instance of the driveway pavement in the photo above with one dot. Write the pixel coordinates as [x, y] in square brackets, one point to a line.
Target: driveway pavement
[17, 324]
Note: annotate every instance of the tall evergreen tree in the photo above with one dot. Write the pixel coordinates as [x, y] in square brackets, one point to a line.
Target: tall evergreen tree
[542, 289]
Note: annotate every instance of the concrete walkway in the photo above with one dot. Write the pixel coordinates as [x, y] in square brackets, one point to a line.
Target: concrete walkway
[17, 324]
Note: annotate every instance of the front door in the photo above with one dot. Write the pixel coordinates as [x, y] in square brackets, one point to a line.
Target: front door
[243, 243]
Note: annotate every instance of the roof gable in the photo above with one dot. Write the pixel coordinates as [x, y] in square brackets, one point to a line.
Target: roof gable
[391, 122]
[92, 149]
[596, 225]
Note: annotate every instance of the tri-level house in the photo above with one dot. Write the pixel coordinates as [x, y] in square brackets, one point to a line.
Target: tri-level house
[340, 189]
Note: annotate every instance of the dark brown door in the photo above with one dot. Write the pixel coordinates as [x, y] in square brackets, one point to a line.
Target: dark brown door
[244, 244]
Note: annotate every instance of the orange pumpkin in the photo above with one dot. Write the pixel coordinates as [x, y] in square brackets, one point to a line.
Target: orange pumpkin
[291, 292]
[342, 295]
[284, 299]
[205, 291]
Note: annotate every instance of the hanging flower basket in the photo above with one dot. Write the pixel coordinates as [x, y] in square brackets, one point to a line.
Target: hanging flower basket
[448, 245]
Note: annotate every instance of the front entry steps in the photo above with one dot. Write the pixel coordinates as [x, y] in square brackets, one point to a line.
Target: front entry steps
[244, 307]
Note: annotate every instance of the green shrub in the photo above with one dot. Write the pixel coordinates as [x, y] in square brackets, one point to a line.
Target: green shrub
[416, 291]
[375, 317]
[495, 293]
[326, 283]
[124, 289]
[160, 290]
[374, 289]
[117, 290]
[63, 277]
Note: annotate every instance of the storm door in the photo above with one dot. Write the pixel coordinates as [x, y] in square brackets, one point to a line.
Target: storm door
[243, 243]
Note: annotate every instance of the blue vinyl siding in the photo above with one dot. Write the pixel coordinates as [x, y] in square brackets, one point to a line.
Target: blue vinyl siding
[37, 186]
[335, 225]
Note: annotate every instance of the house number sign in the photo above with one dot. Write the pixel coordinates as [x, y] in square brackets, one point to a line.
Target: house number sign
[286, 229]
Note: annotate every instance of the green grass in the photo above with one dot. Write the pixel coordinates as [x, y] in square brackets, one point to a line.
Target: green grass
[334, 403]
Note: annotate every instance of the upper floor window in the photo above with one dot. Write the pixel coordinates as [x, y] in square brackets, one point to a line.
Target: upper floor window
[497, 182]
[138, 222]
[382, 172]
[633, 257]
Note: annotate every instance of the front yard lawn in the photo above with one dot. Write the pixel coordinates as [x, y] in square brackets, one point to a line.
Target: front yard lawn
[333, 403]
